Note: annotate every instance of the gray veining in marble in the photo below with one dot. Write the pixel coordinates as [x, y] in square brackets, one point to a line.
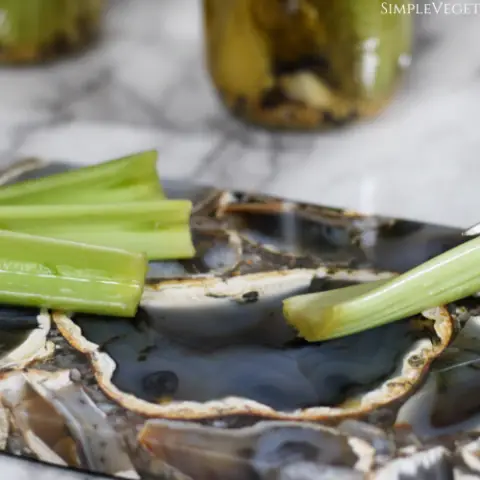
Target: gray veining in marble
[145, 86]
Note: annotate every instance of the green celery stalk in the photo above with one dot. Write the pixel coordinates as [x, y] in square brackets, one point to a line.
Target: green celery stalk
[50, 273]
[130, 193]
[160, 229]
[167, 243]
[141, 191]
[158, 212]
[114, 176]
[446, 278]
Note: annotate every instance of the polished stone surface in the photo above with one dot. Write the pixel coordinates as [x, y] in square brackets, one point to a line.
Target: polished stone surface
[145, 86]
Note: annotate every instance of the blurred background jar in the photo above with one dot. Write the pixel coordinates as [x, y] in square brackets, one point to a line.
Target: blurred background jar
[306, 64]
[33, 31]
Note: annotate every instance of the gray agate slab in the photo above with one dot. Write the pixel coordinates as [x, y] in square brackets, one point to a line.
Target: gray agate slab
[209, 382]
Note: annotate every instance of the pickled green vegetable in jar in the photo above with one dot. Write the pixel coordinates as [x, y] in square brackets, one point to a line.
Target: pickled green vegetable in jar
[33, 31]
[305, 64]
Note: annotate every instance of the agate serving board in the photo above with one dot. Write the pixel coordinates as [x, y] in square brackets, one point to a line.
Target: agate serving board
[208, 381]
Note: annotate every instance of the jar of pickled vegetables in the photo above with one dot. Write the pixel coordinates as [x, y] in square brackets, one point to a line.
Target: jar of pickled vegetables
[33, 31]
[304, 64]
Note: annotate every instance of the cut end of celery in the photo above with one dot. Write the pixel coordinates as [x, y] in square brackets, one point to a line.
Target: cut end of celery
[300, 313]
[316, 323]
[319, 316]
[313, 321]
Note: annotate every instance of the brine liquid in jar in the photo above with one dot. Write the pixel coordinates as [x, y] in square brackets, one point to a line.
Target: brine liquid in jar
[305, 64]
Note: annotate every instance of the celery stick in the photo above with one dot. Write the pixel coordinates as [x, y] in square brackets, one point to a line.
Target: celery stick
[162, 244]
[157, 212]
[118, 173]
[130, 193]
[159, 229]
[50, 273]
[446, 278]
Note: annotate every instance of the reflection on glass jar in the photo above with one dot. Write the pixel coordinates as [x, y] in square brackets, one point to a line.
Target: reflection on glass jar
[38, 30]
[302, 64]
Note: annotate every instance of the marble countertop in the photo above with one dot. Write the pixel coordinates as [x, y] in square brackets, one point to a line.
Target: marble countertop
[145, 86]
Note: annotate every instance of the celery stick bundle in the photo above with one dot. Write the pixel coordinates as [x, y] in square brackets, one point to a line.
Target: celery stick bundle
[81, 240]
[115, 204]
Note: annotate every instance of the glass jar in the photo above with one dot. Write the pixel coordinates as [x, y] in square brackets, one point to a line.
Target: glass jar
[304, 64]
[39, 30]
